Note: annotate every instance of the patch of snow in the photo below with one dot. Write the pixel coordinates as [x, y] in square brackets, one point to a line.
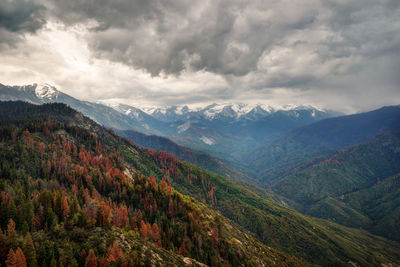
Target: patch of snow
[148, 110]
[183, 127]
[266, 108]
[125, 109]
[207, 140]
[212, 110]
[46, 91]
[241, 109]
[135, 113]
[179, 110]
[160, 110]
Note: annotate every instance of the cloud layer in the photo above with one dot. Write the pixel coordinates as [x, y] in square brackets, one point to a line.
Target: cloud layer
[339, 54]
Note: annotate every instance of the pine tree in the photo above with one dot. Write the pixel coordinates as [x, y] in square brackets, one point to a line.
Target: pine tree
[171, 208]
[182, 249]
[155, 233]
[12, 234]
[53, 262]
[91, 260]
[3, 244]
[139, 217]
[115, 254]
[143, 229]
[11, 258]
[21, 261]
[29, 250]
[16, 259]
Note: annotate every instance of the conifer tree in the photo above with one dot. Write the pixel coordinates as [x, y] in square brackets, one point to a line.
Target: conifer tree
[91, 260]
[16, 259]
[12, 234]
[29, 251]
[182, 249]
[11, 258]
[21, 261]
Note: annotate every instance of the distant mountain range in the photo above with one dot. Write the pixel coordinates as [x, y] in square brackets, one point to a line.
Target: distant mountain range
[282, 155]
[226, 111]
[223, 130]
[219, 128]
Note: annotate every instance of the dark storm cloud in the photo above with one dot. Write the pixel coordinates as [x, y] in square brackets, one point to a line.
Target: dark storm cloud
[18, 17]
[323, 39]
[322, 48]
[226, 37]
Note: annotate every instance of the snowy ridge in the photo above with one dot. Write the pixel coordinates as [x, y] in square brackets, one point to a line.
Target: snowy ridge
[125, 109]
[232, 110]
[46, 91]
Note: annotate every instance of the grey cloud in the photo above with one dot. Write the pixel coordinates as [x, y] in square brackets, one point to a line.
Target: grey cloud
[232, 38]
[225, 37]
[18, 17]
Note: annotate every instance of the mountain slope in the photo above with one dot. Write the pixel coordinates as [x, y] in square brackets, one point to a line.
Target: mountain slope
[230, 130]
[77, 196]
[102, 114]
[200, 159]
[357, 186]
[317, 241]
[282, 155]
[225, 131]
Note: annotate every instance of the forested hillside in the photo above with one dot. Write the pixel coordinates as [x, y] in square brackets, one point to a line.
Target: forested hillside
[69, 199]
[283, 155]
[358, 186]
[197, 158]
[53, 158]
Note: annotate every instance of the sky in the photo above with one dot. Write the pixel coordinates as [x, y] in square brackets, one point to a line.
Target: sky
[338, 54]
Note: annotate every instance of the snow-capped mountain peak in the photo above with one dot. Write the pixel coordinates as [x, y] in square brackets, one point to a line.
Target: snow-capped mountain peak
[126, 109]
[46, 91]
[232, 111]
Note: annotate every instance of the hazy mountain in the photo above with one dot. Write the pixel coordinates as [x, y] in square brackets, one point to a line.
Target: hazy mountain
[198, 158]
[227, 112]
[44, 93]
[358, 186]
[227, 130]
[223, 130]
[279, 157]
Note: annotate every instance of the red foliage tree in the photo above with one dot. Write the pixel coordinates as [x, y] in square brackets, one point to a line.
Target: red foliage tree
[214, 235]
[138, 217]
[65, 207]
[16, 259]
[155, 232]
[153, 181]
[121, 216]
[143, 229]
[163, 184]
[182, 249]
[115, 254]
[91, 260]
